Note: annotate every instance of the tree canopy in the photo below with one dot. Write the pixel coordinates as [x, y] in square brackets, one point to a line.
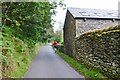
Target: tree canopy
[29, 21]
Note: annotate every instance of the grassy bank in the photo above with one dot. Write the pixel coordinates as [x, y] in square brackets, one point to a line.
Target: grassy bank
[88, 73]
[16, 55]
[22, 69]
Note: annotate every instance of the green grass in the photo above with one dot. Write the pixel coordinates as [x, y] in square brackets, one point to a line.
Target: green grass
[81, 68]
[23, 67]
[16, 56]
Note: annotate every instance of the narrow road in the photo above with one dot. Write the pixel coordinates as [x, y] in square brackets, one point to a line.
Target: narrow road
[47, 64]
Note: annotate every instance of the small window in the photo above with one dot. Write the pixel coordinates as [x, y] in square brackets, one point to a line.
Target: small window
[84, 14]
[99, 14]
[112, 14]
[115, 15]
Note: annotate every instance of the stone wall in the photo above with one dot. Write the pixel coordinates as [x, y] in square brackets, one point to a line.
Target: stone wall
[92, 24]
[69, 34]
[100, 49]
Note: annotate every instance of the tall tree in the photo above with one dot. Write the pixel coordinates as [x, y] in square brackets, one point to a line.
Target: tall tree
[29, 20]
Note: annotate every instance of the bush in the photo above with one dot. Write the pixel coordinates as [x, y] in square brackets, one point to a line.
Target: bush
[61, 48]
[16, 55]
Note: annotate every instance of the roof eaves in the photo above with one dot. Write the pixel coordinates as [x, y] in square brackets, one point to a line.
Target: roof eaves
[71, 14]
[96, 18]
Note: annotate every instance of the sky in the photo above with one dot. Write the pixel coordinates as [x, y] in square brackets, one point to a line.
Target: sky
[93, 4]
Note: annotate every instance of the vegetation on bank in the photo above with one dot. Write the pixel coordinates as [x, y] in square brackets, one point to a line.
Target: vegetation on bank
[16, 55]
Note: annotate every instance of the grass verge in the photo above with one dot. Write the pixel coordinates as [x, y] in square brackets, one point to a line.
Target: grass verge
[16, 56]
[22, 69]
[81, 68]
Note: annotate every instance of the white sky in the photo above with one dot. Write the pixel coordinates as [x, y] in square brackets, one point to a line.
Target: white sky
[94, 4]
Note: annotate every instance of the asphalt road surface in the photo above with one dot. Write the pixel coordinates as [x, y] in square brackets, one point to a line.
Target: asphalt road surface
[47, 64]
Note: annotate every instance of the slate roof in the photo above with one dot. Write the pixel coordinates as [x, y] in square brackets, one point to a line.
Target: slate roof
[93, 13]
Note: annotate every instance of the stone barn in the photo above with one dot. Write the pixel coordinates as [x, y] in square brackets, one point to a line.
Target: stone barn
[81, 20]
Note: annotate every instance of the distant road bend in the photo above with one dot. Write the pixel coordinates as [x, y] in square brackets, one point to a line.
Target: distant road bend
[47, 64]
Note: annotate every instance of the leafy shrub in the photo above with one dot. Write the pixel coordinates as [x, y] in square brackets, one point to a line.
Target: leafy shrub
[16, 55]
[60, 48]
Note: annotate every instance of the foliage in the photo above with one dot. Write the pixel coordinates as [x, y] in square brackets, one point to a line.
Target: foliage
[16, 55]
[60, 48]
[58, 36]
[23, 25]
[29, 20]
[12, 46]
[54, 36]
